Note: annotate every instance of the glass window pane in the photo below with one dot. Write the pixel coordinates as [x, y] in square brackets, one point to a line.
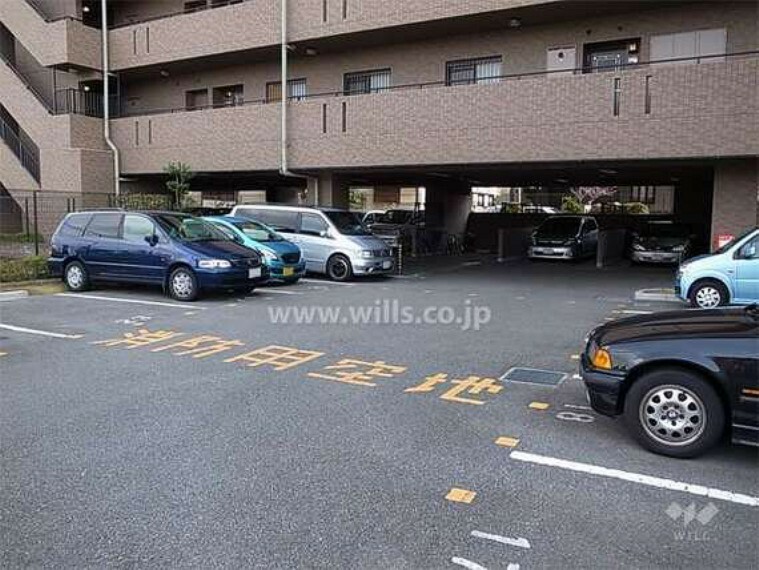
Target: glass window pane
[137, 228]
[104, 226]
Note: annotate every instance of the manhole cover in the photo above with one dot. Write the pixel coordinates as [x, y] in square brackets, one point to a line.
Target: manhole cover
[534, 376]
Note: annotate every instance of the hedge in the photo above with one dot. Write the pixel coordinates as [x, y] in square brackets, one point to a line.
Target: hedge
[24, 269]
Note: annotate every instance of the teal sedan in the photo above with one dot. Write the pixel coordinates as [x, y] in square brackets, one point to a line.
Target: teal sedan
[282, 258]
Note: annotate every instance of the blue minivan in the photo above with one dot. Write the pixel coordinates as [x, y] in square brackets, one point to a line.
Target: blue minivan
[282, 258]
[182, 253]
[729, 276]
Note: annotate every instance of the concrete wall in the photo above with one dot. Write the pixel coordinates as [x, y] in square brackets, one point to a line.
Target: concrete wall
[522, 51]
[736, 197]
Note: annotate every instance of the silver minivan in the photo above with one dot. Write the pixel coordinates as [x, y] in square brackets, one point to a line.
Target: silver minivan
[333, 242]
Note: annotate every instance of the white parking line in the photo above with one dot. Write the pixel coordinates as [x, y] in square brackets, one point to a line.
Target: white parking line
[468, 563]
[632, 312]
[123, 300]
[323, 282]
[277, 292]
[518, 542]
[641, 479]
[39, 332]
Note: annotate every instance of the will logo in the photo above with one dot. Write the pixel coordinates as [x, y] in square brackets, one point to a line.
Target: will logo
[691, 513]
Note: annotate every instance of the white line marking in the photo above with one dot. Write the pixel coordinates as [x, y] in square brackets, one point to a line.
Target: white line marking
[576, 407]
[648, 480]
[512, 567]
[518, 542]
[123, 300]
[467, 563]
[323, 282]
[576, 377]
[278, 292]
[631, 312]
[38, 332]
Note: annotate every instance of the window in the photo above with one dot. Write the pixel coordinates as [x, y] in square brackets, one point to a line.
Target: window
[195, 6]
[610, 56]
[104, 226]
[312, 225]
[682, 45]
[364, 82]
[137, 228]
[73, 225]
[643, 194]
[196, 99]
[470, 71]
[296, 89]
[281, 220]
[228, 96]
[750, 250]
[590, 225]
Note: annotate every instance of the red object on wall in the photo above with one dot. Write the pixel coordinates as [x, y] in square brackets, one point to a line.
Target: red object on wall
[723, 239]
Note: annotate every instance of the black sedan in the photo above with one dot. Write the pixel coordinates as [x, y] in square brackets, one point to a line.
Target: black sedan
[679, 378]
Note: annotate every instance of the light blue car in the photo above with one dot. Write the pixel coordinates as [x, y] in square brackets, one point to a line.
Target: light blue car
[282, 258]
[729, 276]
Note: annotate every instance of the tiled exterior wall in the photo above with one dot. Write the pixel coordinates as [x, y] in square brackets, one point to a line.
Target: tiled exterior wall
[736, 197]
[424, 61]
[64, 41]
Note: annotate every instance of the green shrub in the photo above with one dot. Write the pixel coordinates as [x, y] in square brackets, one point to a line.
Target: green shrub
[635, 208]
[572, 205]
[24, 269]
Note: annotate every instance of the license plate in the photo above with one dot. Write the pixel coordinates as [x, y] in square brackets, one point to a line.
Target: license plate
[387, 264]
[288, 271]
[548, 252]
[253, 273]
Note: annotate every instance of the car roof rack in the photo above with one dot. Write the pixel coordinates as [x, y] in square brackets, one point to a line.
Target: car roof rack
[84, 210]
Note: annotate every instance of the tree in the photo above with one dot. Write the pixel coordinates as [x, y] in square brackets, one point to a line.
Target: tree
[572, 205]
[178, 183]
[589, 194]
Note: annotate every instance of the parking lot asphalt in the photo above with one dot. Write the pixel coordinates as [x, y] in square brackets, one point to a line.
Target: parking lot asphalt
[138, 431]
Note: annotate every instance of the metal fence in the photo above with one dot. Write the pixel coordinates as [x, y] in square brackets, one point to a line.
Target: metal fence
[29, 218]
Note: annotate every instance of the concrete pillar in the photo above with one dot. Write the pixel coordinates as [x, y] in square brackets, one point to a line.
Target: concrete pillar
[328, 190]
[448, 206]
[735, 202]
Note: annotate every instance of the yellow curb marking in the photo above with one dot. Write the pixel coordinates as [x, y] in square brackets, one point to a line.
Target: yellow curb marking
[460, 495]
[506, 441]
[538, 406]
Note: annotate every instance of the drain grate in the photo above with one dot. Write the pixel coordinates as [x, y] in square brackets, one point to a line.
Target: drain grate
[534, 376]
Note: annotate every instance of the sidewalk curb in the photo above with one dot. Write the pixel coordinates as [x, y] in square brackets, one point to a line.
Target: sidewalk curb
[13, 295]
[661, 295]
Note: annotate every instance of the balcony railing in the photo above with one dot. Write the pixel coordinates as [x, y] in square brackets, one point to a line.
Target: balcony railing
[26, 151]
[210, 5]
[443, 83]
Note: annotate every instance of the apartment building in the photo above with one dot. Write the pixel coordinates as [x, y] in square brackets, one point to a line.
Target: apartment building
[441, 94]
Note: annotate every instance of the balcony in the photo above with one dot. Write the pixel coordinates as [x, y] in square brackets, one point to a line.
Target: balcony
[677, 109]
[250, 25]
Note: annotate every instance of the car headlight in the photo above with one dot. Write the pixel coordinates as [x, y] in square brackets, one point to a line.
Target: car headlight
[601, 359]
[679, 248]
[214, 264]
[638, 247]
[367, 253]
[269, 255]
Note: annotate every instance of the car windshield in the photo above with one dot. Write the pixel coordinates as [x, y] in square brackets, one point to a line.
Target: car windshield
[560, 226]
[257, 231]
[190, 228]
[733, 241]
[396, 217]
[665, 231]
[347, 223]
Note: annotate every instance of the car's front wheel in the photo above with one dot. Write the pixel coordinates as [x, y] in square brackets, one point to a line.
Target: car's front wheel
[183, 285]
[708, 294]
[674, 412]
[339, 268]
[76, 277]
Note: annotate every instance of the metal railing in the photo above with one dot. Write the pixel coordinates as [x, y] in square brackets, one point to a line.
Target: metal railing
[492, 80]
[26, 151]
[211, 5]
[42, 10]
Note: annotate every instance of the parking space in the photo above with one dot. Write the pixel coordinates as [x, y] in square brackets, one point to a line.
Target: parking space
[380, 423]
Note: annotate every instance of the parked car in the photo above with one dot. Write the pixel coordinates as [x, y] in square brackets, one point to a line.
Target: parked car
[184, 254]
[730, 275]
[564, 237]
[396, 225]
[678, 378]
[372, 217]
[282, 258]
[661, 242]
[333, 242]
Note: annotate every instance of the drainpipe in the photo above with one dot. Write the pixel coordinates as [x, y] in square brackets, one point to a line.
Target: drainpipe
[283, 169]
[107, 97]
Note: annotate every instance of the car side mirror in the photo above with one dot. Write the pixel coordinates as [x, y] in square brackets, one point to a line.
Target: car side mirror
[324, 233]
[152, 240]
